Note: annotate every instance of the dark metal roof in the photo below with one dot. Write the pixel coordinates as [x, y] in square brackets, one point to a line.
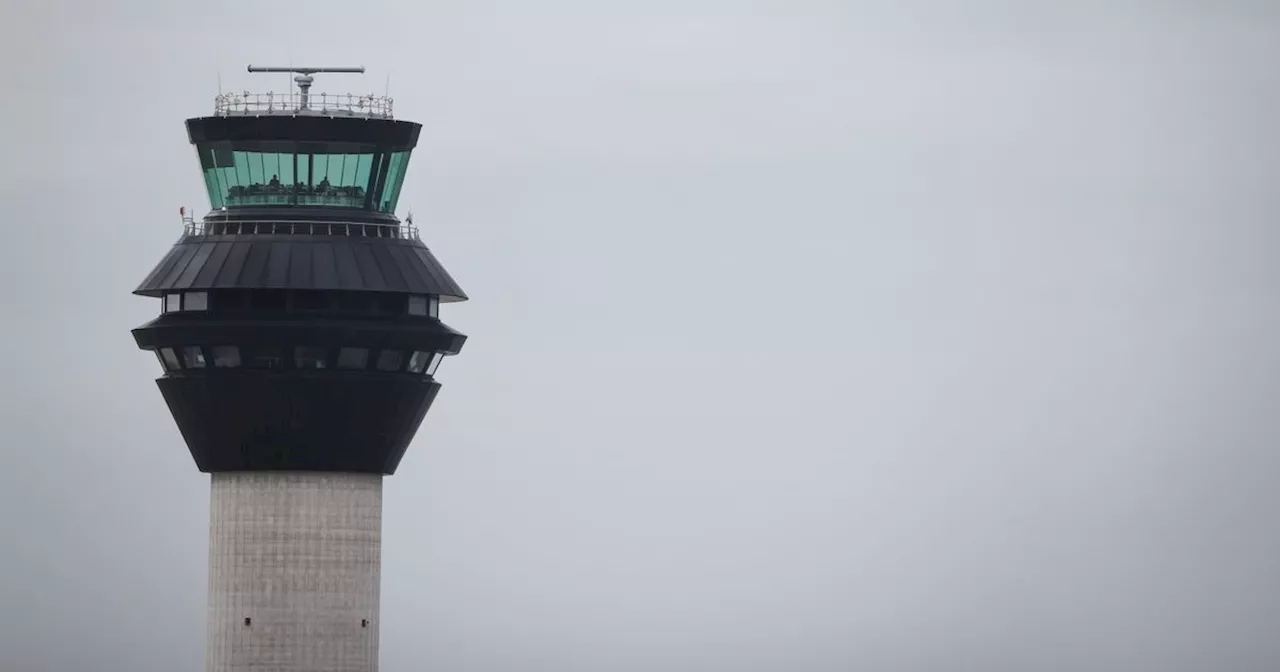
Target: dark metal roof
[388, 133]
[301, 262]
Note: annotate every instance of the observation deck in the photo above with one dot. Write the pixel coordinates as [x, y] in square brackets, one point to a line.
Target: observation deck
[299, 149]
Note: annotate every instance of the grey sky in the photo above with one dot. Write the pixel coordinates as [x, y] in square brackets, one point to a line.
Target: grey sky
[806, 336]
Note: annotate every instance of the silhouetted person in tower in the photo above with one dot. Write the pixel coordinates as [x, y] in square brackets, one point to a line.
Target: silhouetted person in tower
[275, 181]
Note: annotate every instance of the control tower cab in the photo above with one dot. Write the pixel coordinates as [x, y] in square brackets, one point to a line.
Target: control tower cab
[299, 325]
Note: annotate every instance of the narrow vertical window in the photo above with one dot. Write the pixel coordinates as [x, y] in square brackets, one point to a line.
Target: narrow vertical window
[435, 364]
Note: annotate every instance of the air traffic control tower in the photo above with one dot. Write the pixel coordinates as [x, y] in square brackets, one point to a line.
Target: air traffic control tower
[300, 337]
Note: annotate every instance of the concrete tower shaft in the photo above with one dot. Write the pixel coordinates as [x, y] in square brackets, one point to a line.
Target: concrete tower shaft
[294, 571]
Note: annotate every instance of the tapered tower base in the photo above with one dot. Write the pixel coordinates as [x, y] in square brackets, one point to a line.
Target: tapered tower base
[294, 571]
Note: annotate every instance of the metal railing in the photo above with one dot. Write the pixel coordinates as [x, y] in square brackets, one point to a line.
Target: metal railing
[233, 227]
[246, 103]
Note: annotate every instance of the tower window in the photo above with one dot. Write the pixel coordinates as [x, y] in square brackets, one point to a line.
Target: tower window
[353, 358]
[196, 301]
[310, 357]
[424, 305]
[390, 360]
[193, 357]
[418, 361]
[435, 363]
[417, 304]
[172, 303]
[226, 356]
[169, 359]
[266, 357]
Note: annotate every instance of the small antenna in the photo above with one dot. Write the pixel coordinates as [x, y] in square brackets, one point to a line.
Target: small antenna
[387, 90]
[219, 83]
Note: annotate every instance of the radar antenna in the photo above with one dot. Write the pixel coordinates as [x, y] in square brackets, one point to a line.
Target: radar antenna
[304, 78]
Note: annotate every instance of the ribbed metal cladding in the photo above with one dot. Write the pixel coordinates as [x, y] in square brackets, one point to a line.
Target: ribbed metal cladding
[301, 262]
[294, 572]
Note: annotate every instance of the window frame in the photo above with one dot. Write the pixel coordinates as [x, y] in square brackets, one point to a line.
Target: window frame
[213, 357]
[203, 360]
[201, 297]
[259, 354]
[366, 175]
[434, 365]
[169, 359]
[325, 355]
[395, 367]
[364, 361]
[421, 366]
[419, 305]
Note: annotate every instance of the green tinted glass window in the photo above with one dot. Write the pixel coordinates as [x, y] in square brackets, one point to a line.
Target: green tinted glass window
[303, 166]
[271, 168]
[363, 164]
[328, 168]
[287, 173]
[395, 178]
[241, 164]
[286, 169]
[337, 179]
[216, 191]
[254, 162]
[349, 169]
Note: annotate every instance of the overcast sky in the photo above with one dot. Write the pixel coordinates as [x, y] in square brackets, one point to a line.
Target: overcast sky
[805, 336]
